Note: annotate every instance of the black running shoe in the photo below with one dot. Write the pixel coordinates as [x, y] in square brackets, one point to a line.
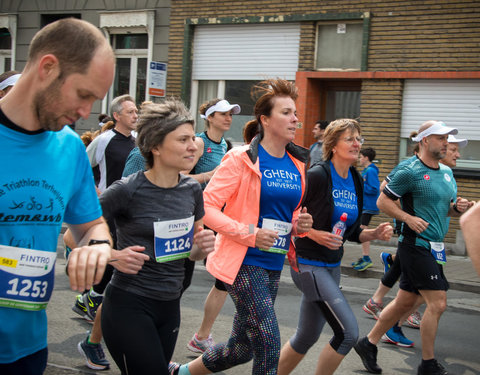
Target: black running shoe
[368, 354]
[431, 368]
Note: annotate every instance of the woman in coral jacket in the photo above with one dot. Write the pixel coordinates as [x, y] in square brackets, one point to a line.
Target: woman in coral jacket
[261, 186]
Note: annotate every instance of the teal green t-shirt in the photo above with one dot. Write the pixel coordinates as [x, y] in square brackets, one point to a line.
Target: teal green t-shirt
[426, 193]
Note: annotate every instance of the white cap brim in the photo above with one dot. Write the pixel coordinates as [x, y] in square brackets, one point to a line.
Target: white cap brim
[223, 106]
[461, 142]
[438, 128]
[10, 81]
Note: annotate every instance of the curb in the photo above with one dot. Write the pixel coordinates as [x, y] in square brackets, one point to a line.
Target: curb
[463, 286]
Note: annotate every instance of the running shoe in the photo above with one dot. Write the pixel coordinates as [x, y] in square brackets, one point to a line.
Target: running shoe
[431, 368]
[356, 263]
[373, 308]
[80, 308]
[395, 336]
[199, 346]
[364, 264]
[173, 368]
[386, 260]
[368, 353]
[91, 303]
[414, 320]
[94, 355]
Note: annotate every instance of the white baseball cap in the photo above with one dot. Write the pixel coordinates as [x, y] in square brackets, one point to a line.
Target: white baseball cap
[222, 106]
[10, 81]
[438, 128]
[461, 142]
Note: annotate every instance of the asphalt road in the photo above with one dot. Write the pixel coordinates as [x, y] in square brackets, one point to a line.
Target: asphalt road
[457, 347]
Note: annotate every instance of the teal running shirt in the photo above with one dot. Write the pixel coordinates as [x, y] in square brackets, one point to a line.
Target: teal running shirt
[426, 193]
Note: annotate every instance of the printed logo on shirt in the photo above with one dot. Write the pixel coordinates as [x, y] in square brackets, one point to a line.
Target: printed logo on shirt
[282, 179]
[426, 177]
[447, 177]
[209, 149]
[345, 199]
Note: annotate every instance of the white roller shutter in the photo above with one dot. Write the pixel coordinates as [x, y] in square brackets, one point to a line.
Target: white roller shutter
[245, 52]
[455, 102]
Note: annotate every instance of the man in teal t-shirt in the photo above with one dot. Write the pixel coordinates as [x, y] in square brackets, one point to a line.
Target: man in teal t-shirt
[427, 190]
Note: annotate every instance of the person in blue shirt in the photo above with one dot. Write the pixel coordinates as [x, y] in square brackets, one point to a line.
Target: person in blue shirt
[46, 180]
[338, 190]
[371, 191]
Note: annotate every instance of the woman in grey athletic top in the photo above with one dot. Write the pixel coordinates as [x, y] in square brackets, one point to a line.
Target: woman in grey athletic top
[161, 211]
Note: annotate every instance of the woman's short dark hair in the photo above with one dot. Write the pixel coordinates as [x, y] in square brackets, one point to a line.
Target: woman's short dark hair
[156, 121]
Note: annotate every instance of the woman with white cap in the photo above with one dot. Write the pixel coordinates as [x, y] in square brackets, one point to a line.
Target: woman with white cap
[212, 147]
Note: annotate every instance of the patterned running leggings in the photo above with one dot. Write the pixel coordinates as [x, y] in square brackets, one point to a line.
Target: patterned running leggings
[255, 333]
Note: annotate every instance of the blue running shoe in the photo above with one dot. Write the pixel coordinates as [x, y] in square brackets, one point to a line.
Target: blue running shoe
[364, 264]
[395, 336]
[357, 262]
[94, 355]
[386, 260]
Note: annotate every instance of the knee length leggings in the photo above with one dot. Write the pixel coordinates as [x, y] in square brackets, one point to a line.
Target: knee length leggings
[332, 308]
[255, 331]
[140, 332]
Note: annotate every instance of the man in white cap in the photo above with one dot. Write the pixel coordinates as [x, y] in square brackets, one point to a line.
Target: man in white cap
[428, 192]
[7, 81]
[453, 153]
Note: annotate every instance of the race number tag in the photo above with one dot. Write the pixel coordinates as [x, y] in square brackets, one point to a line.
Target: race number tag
[282, 243]
[173, 239]
[438, 252]
[26, 277]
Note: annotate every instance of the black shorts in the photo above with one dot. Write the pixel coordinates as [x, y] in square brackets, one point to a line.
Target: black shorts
[218, 283]
[420, 270]
[366, 219]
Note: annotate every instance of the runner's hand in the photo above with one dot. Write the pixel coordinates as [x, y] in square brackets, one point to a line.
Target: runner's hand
[265, 238]
[86, 265]
[418, 225]
[304, 222]
[384, 231]
[129, 260]
[204, 243]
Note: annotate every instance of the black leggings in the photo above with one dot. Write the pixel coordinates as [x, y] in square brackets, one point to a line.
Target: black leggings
[393, 274]
[140, 332]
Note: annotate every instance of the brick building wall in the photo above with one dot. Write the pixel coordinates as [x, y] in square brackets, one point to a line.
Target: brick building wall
[430, 36]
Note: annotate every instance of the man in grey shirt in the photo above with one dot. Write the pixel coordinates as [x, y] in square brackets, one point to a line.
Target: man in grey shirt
[316, 152]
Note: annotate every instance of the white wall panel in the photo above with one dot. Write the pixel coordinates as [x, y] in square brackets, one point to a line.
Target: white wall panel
[243, 52]
[455, 102]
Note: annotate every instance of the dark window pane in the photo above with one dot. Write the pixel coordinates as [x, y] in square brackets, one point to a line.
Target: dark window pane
[131, 41]
[238, 92]
[5, 39]
[141, 80]
[122, 78]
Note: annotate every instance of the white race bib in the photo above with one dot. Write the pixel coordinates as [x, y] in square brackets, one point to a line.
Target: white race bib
[438, 251]
[173, 239]
[26, 277]
[282, 243]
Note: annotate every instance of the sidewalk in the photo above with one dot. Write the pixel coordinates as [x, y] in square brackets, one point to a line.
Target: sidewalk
[458, 270]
